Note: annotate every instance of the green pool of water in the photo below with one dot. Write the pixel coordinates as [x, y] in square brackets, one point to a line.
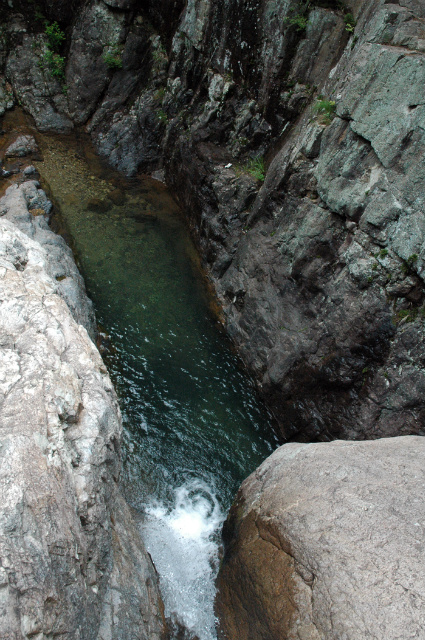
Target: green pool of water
[188, 408]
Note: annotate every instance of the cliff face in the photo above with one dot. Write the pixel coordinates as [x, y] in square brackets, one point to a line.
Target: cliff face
[319, 269]
[72, 561]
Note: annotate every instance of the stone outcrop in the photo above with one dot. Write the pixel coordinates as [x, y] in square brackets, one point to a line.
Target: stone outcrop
[324, 541]
[72, 563]
[21, 147]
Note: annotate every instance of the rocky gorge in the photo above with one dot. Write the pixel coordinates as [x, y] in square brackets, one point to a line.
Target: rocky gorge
[292, 135]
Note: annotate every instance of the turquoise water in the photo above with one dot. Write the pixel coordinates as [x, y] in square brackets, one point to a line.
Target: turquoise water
[193, 427]
[188, 409]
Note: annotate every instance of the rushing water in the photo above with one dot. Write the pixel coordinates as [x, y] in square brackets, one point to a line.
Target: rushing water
[193, 428]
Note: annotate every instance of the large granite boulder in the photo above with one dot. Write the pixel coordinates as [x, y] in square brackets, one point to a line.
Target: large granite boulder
[72, 563]
[325, 542]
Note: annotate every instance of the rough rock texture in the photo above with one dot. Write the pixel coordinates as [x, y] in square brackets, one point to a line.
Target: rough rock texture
[35, 87]
[22, 146]
[72, 561]
[28, 208]
[320, 270]
[325, 541]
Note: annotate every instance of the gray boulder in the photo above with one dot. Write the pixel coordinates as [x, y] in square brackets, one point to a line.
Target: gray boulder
[22, 146]
[325, 542]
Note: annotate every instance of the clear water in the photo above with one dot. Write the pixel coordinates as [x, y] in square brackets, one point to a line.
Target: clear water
[193, 428]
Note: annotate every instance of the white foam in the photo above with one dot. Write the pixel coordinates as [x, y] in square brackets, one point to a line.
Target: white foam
[183, 541]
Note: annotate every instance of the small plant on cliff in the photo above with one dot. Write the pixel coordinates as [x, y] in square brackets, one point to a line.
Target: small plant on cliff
[56, 64]
[52, 60]
[407, 265]
[298, 21]
[350, 22]
[55, 36]
[162, 116]
[113, 57]
[255, 167]
[325, 109]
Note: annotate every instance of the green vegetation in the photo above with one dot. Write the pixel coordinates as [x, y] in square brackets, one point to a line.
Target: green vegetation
[159, 54]
[407, 265]
[298, 21]
[55, 36]
[113, 57]
[383, 253]
[406, 315]
[255, 167]
[350, 22]
[162, 116]
[160, 94]
[52, 60]
[325, 109]
[56, 64]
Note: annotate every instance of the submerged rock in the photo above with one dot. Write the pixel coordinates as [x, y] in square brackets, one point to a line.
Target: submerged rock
[325, 541]
[22, 146]
[72, 560]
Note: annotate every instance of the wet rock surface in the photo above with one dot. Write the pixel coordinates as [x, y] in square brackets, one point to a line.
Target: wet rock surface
[22, 146]
[72, 560]
[324, 541]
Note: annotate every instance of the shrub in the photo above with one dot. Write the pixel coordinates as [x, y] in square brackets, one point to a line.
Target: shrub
[55, 63]
[51, 59]
[299, 21]
[113, 58]
[255, 167]
[325, 109]
[350, 22]
[55, 36]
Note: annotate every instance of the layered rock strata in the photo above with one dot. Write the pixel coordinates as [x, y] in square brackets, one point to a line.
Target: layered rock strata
[72, 563]
[325, 541]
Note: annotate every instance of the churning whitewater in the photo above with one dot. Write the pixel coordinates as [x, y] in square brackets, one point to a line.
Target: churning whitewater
[183, 540]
